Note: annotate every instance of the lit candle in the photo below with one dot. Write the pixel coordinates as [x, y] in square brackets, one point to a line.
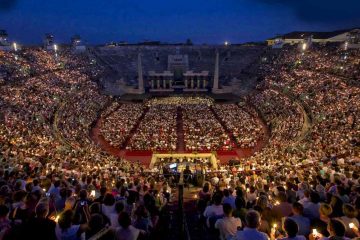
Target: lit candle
[92, 193]
[273, 229]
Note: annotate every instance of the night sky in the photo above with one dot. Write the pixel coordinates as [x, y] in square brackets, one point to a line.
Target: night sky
[203, 21]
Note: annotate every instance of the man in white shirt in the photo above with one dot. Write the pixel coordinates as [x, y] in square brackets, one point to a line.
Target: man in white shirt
[228, 225]
[126, 231]
[216, 208]
[119, 207]
[214, 211]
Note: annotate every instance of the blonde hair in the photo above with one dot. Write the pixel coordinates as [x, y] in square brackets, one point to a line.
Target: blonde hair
[70, 202]
[325, 209]
[349, 211]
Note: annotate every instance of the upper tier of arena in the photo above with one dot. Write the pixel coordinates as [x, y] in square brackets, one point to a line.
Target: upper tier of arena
[155, 58]
[175, 62]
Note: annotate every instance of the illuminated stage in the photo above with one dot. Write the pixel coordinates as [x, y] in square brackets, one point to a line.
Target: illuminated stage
[184, 159]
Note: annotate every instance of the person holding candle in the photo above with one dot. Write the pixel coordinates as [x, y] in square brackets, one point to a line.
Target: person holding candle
[283, 208]
[321, 223]
[350, 217]
[336, 229]
[291, 228]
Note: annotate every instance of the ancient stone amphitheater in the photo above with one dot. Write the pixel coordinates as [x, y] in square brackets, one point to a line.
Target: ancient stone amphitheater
[123, 63]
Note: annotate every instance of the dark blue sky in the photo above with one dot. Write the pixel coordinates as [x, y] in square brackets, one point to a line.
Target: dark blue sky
[204, 21]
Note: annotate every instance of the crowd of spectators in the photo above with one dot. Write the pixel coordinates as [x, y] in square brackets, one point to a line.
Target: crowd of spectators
[283, 116]
[157, 131]
[180, 101]
[246, 130]
[329, 98]
[117, 126]
[101, 201]
[56, 184]
[274, 200]
[303, 185]
[202, 131]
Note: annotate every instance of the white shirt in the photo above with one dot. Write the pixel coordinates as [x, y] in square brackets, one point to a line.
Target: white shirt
[215, 181]
[114, 220]
[227, 226]
[213, 210]
[131, 233]
[108, 210]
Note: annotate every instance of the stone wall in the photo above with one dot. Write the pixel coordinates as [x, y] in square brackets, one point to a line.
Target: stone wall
[123, 59]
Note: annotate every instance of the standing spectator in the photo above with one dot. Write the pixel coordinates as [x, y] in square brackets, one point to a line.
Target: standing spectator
[100, 199]
[108, 206]
[126, 231]
[216, 208]
[5, 224]
[240, 211]
[119, 207]
[40, 227]
[229, 198]
[65, 230]
[60, 202]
